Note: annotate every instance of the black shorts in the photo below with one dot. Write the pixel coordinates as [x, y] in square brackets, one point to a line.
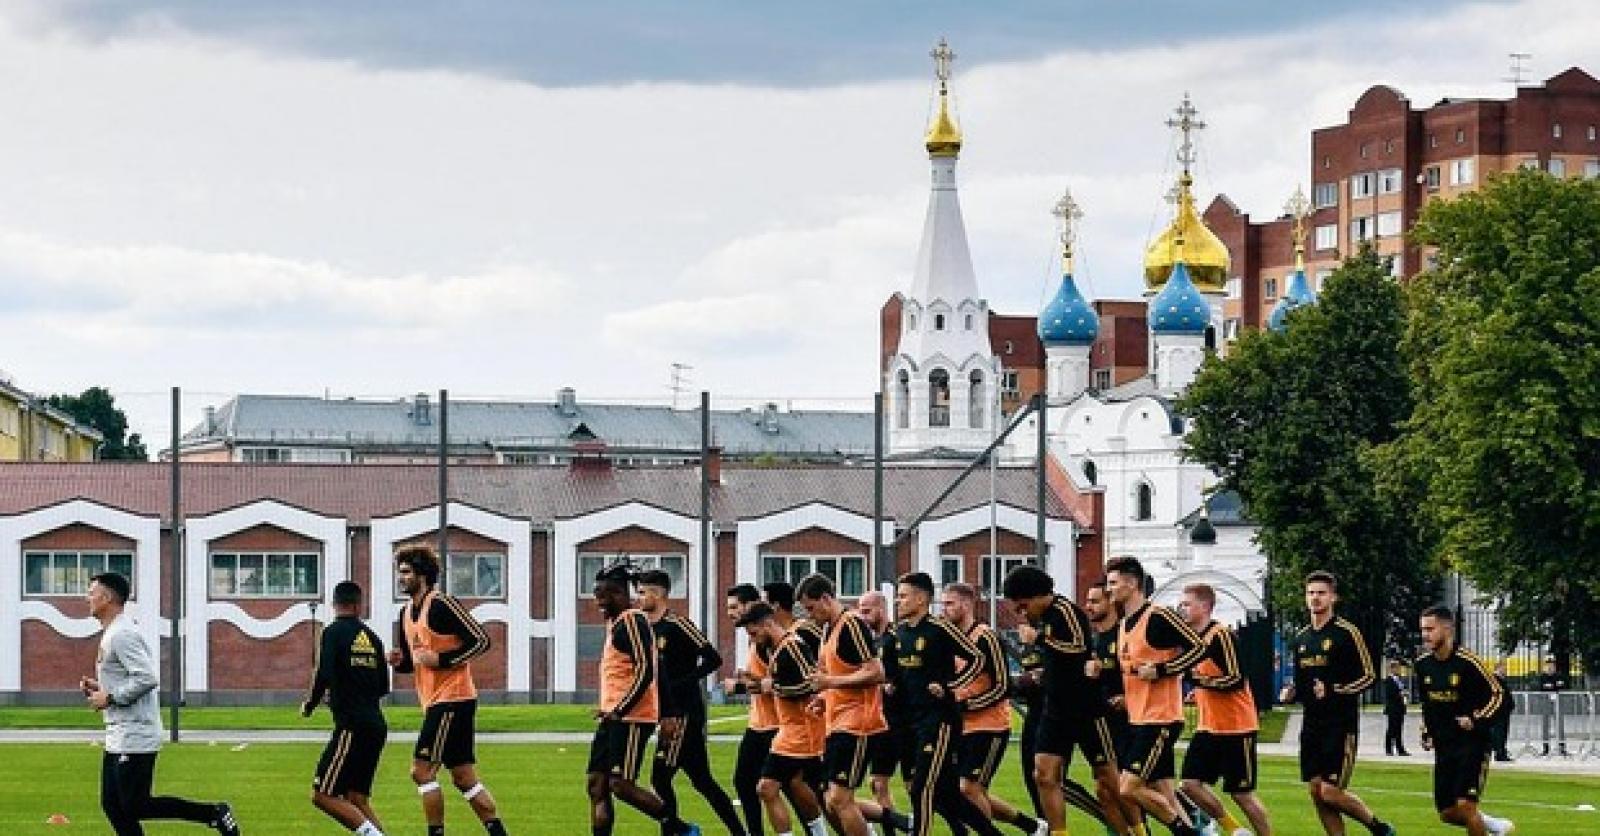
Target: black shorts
[350, 760]
[1149, 754]
[981, 754]
[847, 756]
[1460, 769]
[1230, 758]
[618, 748]
[448, 730]
[1328, 752]
[689, 747]
[1058, 735]
[782, 768]
[890, 752]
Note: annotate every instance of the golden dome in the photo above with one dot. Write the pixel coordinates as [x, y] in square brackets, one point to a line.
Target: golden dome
[944, 135]
[1203, 252]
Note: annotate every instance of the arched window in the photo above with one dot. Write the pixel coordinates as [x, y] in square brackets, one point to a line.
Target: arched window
[902, 400]
[1144, 502]
[938, 322]
[976, 400]
[1091, 472]
[1211, 339]
[911, 322]
[969, 322]
[939, 398]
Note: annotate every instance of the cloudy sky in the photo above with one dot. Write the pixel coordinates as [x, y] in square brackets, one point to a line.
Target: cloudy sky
[376, 197]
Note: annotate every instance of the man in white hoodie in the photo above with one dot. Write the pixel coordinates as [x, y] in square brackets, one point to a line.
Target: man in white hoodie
[124, 691]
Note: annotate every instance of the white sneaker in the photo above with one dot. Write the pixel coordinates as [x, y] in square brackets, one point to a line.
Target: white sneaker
[1211, 829]
[1243, 831]
[1497, 826]
[1043, 829]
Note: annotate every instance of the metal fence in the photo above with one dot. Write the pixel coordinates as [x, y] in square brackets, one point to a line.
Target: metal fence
[1548, 724]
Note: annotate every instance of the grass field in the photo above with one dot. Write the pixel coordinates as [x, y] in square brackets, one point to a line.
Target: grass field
[540, 790]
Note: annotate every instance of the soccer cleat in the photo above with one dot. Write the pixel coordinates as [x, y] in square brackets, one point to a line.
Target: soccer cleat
[1388, 830]
[691, 829]
[1210, 828]
[1043, 829]
[1243, 831]
[225, 823]
[1497, 826]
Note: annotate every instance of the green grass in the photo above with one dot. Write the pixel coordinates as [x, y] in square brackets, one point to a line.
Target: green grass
[540, 791]
[491, 718]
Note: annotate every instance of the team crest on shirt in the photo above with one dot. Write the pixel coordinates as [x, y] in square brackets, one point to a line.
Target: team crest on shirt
[921, 643]
[1455, 679]
[661, 643]
[1327, 644]
[928, 748]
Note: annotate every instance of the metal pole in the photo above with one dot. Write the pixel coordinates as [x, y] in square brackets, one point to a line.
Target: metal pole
[175, 555]
[994, 513]
[1041, 410]
[707, 612]
[444, 478]
[882, 565]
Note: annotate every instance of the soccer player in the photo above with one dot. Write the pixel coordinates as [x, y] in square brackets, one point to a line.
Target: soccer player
[1154, 648]
[1224, 742]
[1331, 669]
[793, 765]
[123, 690]
[628, 711]
[1460, 701]
[1074, 707]
[440, 639]
[1028, 688]
[922, 665]
[762, 725]
[685, 659]
[780, 596]
[986, 723]
[887, 752]
[1106, 621]
[352, 674]
[849, 677]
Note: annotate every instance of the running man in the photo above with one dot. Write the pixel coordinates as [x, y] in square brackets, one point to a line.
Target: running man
[1224, 743]
[1331, 669]
[780, 596]
[986, 721]
[923, 663]
[849, 678]
[1154, 648]
[627, 713]
[887, 751]
[352, 674]
[1074, 709]
[123, 690]
[762, 724]
[439, 641]
[1460, 703]
[793, 765]
[1028, 688]
[686, 658]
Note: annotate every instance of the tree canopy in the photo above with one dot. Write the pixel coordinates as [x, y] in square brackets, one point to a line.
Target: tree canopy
[97, 408]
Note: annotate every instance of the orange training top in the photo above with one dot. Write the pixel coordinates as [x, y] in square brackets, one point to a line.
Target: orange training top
[845, 649]
[435, 685]
[801, 733]
[1160, 701]
[988, 709]
[628, 669]
[763, 712]
[1221, 692]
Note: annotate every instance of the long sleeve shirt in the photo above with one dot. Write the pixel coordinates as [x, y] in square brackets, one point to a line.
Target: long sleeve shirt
[686, 659]
[352, 673]
[1459, 685]
[1337, 656]
[448, 617]
[126, 669]
[924, 653]
[1066, 641]
[628, 667]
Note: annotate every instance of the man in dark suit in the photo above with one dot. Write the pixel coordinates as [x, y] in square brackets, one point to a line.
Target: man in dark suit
[1394, 708]
[1502, 724]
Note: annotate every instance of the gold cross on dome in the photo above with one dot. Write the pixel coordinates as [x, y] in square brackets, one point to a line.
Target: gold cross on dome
[1298, 208]
[1187, 122]
[942, 55]
[1067, 215]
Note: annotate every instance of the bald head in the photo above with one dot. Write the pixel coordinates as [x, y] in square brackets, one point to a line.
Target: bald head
[874, 609]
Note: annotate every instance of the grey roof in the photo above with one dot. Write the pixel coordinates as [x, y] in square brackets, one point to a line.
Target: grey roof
[1144, 387]
[512, 424]
[1223, 508]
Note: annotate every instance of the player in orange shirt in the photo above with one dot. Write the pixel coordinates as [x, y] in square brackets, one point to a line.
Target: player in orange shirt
[1224, 742]
[793, 765]
[440, 639]
[628, 711]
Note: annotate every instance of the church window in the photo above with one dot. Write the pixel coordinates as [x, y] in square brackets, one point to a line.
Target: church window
[938, 322]
[939, 398]
[1461, 136]
[1091, 472]
[902, 400]
[975, 401]
[1102, 382]
[969, 322]
[1555, 130]
[1211, 338]
[1011, 348]
[911, 322]
[1144, 502]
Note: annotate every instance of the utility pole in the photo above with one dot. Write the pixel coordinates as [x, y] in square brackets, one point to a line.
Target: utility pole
[680, 382]
[1518, 71]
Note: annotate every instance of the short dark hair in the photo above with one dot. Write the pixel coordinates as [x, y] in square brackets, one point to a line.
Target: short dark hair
[745, 592]
[422, 559]
[965, 590]
[654, 577]
[1440, 612]
[1203, 592]
[1027, 582]
[757, 612]
[347, 593]
[780, 594]
[920, 580]
[1323, 576]
[813, 586]
[619, 575]
[1128, 565]
[115, 582]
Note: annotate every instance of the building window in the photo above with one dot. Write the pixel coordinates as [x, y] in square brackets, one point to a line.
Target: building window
[1361, 228]
[939, 398]
[1433, 141]
[1388, 146]
[1461, 172]
[265, 575]
[969, 322]
[902, 400]
[1324, 195]
[1430, 178]
[1230, 329]
[68, 573]
[1232, 287]
[1529, 164]
[1364, 146]
[1591, 169]
[1461, 135]
[1388, 224]
[847, 571]
[1102, 379]
[1389, 181]
[1270, 290]
[1592, 133]
[476, 575]
[283, 455]
[1008, 383]
[1091, 472]
[1327, 237]
[949, 569]
[1004, 563]
[911, 322]
[1363, 185]
[977, 397]
[1557, 167]
[1010, 348]
[591, 564]
[1322, 279]
[1143, 502]
[264, 455]
[1555, 130]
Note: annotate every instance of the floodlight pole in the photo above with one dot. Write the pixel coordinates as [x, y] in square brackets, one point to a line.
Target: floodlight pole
[175, 555]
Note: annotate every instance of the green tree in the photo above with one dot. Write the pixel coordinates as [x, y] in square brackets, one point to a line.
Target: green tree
[97, 408]
[1289, 420]
[1503, 451]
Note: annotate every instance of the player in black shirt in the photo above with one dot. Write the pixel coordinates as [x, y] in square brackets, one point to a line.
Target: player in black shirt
[353, 674]
[1460, 700]
[1331, 668]
[1074, 706]
[780, 596]
[920, 664]
[1027, 696]
[686, 658]
[885, 751]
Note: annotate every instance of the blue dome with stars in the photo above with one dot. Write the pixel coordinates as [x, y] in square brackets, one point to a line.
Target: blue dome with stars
[1068, 319]
[1179, 308]
[1298, 296]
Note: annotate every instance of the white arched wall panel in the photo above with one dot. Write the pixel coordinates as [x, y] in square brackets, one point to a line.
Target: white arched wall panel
[1058, 536]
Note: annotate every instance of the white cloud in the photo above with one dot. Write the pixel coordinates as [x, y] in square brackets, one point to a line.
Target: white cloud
[232, 220]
